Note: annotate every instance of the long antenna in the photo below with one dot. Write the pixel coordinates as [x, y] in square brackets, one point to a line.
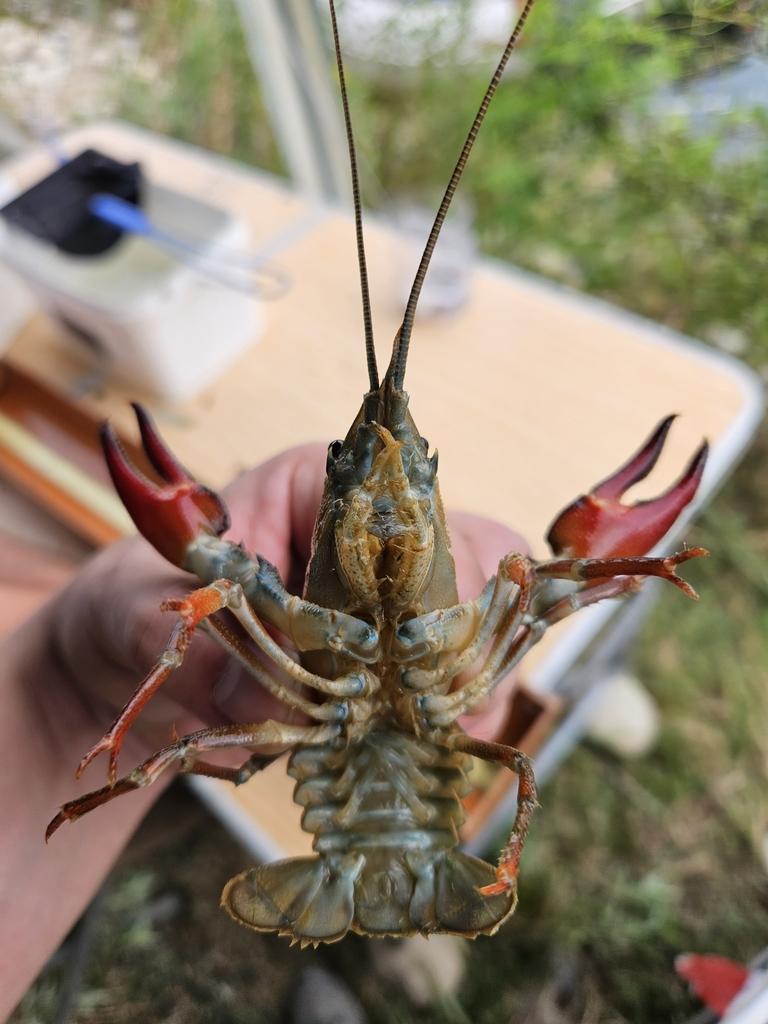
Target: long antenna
[402, 341]
[370, 351]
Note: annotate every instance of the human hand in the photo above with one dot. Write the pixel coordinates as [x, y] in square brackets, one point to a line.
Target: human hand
[69, 669]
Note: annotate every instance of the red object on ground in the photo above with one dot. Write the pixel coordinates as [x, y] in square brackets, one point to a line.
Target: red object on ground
[716, 980]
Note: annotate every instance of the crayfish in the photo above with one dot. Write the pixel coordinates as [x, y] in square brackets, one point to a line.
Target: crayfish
[383, 765]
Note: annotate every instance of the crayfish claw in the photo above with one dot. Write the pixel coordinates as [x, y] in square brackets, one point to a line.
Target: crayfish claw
[170, 515]
[599, 525]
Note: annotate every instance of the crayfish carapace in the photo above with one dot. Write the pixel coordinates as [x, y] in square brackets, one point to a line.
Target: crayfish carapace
[383, 639]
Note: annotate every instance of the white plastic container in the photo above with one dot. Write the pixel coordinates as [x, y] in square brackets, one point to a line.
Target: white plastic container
[157, 322]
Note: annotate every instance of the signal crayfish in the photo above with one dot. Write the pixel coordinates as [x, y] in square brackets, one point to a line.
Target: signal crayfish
[382, 641]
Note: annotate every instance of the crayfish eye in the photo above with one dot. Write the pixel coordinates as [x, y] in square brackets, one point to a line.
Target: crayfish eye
[334, 451]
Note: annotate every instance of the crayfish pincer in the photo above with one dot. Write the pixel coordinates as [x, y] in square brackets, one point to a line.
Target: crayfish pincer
[382, 765]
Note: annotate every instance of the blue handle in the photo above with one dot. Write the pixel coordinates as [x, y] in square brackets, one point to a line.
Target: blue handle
[121, 214]
[124, 215]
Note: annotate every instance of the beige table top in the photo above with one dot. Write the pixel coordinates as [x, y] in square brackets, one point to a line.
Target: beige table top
[530, 393]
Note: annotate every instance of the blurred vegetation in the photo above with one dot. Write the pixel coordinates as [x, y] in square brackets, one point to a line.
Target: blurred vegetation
[207, 92]
[580, 174]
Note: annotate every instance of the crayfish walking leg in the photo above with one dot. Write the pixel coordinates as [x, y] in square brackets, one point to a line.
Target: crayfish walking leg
[197, 609]
[193, 610]
[527, 802]
[183, 755]
[524, 631]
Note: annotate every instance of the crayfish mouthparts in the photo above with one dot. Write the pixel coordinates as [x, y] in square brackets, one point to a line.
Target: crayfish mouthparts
[384, 535]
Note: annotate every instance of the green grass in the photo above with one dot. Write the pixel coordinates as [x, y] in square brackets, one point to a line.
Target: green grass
[630, 862]
[208, 93]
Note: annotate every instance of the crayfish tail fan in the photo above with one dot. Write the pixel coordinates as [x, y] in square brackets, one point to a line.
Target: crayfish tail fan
[460, 906]
[320, 899]
[307, 898]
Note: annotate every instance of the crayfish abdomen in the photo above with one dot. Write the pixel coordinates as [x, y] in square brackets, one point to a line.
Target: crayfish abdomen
[385, 813]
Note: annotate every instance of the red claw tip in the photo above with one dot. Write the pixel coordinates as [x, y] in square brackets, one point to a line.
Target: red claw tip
[173, 514]
[158, 453]
[638, 466]
[598, 525]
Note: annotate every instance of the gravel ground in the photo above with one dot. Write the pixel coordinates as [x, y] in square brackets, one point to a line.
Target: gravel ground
[56, 71]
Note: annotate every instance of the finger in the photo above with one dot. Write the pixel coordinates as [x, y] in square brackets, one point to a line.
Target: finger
[487, 723]
[110, 618]
[209, 688]
[240, 698]
[478, 546]
[273, 506]
[106, 623]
